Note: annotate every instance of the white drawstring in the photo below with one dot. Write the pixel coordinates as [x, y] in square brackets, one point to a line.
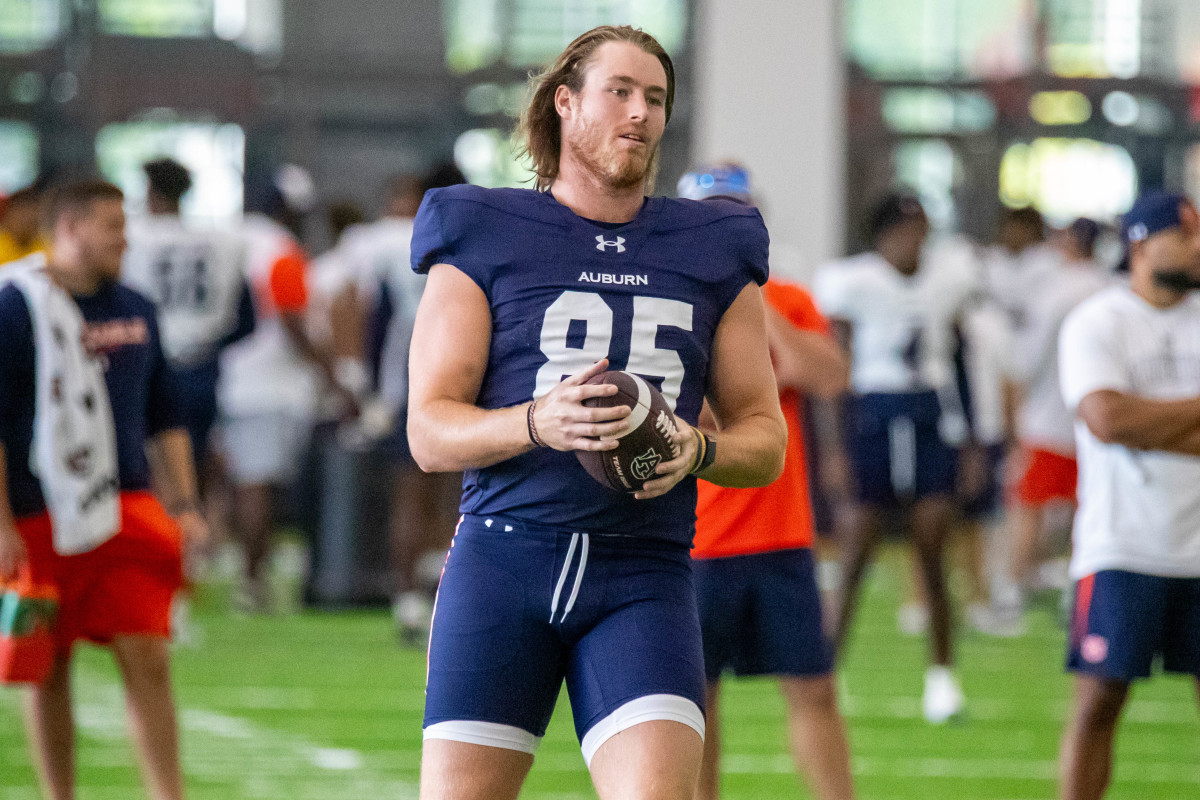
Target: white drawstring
[583, 554]
[562, 578]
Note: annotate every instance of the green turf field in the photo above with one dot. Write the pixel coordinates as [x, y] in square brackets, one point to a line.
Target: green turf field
[325, 706]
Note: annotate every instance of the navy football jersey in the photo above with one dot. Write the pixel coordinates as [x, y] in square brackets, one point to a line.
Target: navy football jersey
[565, 292]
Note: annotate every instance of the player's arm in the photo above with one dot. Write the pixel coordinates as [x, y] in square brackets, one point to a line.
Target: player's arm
[751, 432]
[448, 357]
[807, 360]
[169, 448]
[1141, 423]
[752, 435]
[12, 548]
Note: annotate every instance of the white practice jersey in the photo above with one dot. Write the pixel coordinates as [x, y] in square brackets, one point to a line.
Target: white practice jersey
[380, 255]
[1139, 510]
[988, 358]
[265, 373]
[1012, 280]
[903, 335]
[1043, 420]
[194, 275]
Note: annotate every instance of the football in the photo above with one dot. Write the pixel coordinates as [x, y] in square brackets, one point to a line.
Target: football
[648, 443]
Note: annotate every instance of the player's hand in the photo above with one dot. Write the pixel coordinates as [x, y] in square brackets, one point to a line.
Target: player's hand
[13, 555]
[563, 422]
[673, 471]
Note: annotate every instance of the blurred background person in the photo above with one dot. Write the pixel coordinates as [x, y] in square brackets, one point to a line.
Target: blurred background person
[755, 573]
[271, 381]
[904, 419]
[1046, 470]
[196, 277]
[424, 505]
[21, 224]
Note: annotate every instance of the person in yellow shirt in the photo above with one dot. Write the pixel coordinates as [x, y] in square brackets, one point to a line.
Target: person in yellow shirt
[20, 225]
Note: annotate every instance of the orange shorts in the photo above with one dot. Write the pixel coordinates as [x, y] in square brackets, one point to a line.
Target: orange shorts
[1048, 476]
[123, 587]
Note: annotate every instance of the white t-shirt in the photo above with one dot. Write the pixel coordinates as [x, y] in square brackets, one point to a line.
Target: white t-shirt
[1011, 280]
[194, 275]
[380, 254]
[988, 356]
[265, 373]
[1044, 421]
[1139, 510]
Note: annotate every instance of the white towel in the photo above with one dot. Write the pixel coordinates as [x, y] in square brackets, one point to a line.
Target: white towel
[74, 453]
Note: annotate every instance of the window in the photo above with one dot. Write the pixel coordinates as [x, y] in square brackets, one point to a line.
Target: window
[213, 152]
[256, 25]
[487, 157]
[1069, 178]
[529, 33]
[931, 169]
[18, 155]
[28, 25]
[939, 38]
[165, 18]
[937, 111]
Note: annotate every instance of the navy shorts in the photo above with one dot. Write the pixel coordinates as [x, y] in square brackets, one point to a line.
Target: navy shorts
[760, 614]
[896, 452]
[1123, 621]
[521, 608]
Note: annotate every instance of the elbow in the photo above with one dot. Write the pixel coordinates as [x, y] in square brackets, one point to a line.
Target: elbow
[424, 448]
[1107, 429]
[775, 468]
[772, 463]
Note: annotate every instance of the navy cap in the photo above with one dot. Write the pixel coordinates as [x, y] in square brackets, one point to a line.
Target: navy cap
[717, 180]
[1153, 213]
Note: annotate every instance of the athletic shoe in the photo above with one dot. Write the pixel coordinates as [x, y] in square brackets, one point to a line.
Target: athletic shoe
[1006, 623]
[943, 700]
[412, 614]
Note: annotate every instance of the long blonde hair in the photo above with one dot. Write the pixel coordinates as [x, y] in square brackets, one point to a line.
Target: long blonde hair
[539, 131]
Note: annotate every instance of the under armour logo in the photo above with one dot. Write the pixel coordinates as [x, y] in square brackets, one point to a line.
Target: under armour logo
[603, 243]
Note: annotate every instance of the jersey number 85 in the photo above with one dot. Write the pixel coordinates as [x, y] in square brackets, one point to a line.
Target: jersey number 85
[645, 357]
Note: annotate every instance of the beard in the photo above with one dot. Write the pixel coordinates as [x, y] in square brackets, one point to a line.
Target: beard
[616, 166]
[1178, 280]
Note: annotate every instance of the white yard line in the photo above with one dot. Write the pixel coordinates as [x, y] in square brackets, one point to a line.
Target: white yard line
[218, 748]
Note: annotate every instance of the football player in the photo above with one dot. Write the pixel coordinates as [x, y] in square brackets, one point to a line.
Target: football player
[905, 419]
[553, 576]
[196, 278]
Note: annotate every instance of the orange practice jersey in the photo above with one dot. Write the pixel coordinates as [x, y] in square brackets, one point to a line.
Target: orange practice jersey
[734, 522]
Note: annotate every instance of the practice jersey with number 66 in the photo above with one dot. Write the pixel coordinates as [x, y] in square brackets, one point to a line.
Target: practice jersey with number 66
[565, 292]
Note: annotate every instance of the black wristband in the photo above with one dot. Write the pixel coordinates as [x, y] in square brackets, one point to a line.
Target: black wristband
[706, 452]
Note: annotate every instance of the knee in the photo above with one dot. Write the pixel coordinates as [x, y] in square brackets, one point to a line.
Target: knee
[58, 680]
[1100, 710]
[810, 695]
[144, 661]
